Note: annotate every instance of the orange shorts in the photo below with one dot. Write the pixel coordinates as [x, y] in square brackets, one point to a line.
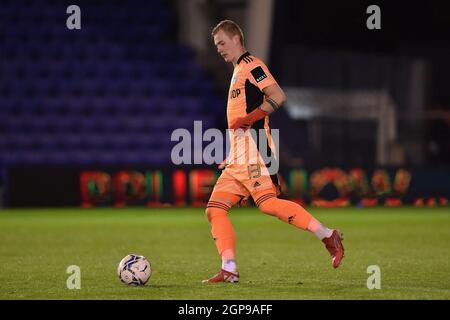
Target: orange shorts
[238, 182]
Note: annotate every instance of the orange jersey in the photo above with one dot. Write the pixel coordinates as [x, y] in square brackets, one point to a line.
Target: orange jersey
[250, 77]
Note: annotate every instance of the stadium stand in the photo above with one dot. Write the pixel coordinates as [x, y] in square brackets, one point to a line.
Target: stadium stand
[109, 93]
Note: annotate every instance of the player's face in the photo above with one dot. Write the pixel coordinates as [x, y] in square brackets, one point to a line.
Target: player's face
[226, 45]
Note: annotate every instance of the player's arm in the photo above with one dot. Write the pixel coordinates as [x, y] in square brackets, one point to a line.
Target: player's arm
[274, 98]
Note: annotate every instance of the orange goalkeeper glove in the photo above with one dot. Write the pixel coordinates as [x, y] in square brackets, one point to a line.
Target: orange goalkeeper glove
[247, 121]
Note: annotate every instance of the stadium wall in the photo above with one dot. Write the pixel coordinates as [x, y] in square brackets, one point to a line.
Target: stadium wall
[156, 187]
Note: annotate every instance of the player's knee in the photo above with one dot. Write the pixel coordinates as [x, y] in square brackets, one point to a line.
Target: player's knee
[208, 213]
[212, 212]
[268, 206]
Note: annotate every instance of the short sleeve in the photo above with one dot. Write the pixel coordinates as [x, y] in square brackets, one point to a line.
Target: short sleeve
[260, 76]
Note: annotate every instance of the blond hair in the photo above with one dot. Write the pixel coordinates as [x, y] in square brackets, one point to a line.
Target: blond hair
[229, 27]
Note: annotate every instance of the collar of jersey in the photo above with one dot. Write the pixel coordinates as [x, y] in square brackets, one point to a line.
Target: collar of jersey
[246, 54]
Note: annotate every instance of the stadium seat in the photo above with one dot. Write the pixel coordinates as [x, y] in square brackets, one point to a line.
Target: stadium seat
[104, 95]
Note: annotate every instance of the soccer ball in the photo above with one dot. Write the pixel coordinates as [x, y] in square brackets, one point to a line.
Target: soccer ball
[134, 270]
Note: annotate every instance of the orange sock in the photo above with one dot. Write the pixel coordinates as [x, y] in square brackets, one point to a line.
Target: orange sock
[221, 230]
[286, 211]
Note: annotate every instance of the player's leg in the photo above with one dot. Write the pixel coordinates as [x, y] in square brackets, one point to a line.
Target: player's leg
[290, 212]
[227, 193]
[223, 234]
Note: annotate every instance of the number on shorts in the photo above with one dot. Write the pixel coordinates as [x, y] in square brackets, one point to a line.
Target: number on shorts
[254, 171]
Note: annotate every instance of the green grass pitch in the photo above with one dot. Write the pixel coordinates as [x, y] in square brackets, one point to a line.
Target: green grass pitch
[276, 261]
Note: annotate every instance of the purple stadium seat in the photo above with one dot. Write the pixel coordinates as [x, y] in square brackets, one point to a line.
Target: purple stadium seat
[106, 95]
